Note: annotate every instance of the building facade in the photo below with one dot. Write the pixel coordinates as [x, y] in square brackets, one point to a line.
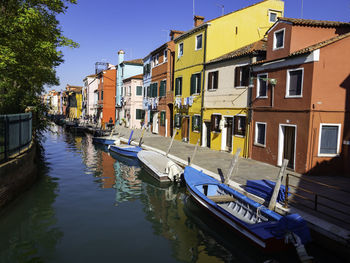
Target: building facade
[301, 97]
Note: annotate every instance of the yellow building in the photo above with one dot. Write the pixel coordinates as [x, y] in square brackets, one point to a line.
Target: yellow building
[75, 101]
[206, 42]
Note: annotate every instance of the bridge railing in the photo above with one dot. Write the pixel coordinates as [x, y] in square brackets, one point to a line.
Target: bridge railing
[15, 134]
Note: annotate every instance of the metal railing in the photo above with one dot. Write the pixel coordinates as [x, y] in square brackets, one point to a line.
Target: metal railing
[15, 134]
[320, 203]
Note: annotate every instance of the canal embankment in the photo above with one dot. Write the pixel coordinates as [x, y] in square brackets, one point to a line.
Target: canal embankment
[328, 224]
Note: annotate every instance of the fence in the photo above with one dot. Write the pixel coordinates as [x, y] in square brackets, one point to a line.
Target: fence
[327, 200]
[15, 134]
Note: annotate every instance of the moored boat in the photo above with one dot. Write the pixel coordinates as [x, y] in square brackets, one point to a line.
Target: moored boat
[125, 150]
[263, 227]
[159, 166]
[107, 140]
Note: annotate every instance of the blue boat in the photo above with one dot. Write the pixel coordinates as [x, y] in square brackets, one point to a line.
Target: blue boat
[263, 227]
[105, 140]
[125, 150]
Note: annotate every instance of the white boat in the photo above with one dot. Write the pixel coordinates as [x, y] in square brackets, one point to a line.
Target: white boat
[159, 166]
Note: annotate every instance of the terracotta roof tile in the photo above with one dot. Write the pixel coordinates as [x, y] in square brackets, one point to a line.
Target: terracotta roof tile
[248, 49]
[134, 61]
[311, 22]
[139, 76]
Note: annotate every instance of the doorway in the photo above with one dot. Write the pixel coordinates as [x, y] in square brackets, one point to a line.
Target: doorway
[206, 134]
[229, 133]
[155, 122]
[286, 145]
[185, 128]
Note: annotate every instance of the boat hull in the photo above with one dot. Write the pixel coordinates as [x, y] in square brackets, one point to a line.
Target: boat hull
[126, 150]
[104, 141]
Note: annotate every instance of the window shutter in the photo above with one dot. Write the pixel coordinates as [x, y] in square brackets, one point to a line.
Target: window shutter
[193, 83]
[210, 80]
[212, 122]
[237, 76]
[149, 91]
[199, 83]
[216, 80]
[177, 86]
[180, 90]
[156, 89]
[245, 76]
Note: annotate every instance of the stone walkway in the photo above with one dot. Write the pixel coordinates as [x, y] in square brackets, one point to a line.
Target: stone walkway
[219, 162]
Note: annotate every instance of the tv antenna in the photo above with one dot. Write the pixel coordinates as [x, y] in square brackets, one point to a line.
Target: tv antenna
[222, 9]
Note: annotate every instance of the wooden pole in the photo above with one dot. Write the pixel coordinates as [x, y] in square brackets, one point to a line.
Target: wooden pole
[194, 153]
[233, 166]
[171, 143]
[140, 142]
[272, 203]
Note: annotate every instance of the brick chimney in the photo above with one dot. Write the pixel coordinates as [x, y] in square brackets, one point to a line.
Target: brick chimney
[198, 20]
[174, 34]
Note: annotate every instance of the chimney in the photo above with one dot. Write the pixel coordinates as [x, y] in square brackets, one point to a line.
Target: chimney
[120, 56]
[198, 20]
[174, 34]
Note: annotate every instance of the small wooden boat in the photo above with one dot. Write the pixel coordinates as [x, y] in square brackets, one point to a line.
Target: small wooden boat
[159, 166]
[265, 228]
[125, 150]
[128, 161]
[107, 140]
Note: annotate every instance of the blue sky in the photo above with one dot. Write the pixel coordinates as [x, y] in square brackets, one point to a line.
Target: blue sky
[102, 27]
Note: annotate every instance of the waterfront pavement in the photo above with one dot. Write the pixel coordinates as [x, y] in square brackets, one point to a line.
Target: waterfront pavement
[217, 164]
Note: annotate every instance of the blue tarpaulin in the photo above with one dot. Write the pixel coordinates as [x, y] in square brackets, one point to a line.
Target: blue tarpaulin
[264, 189]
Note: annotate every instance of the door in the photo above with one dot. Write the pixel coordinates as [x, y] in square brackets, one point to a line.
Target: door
[289, 145]
[155, 123]
[208, 129]
[229, 131]
[185, 128]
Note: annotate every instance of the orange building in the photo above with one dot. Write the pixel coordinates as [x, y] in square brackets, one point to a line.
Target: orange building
[300, 97]
[106, 95]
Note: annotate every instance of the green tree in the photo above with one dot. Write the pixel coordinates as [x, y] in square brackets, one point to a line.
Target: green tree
[30, 39]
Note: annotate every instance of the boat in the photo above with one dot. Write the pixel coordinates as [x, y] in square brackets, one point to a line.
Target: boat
[159, 166]
[128, 161]
[125, 150]
[107, 140]
[263, 227]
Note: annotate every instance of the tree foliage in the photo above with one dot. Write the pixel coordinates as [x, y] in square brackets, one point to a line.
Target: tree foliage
[30, 38]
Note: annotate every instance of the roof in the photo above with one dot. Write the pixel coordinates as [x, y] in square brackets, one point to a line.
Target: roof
[311, 22]
[138, 61]
[91, 76]
[246, 50]
[311, 48]
[140, 76]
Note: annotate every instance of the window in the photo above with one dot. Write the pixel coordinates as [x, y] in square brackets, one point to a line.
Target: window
[140, 114]
[261, 86]
[162, 118]
[329, 139]
[149, 91]
[177, 120]
[102, 95]
[215, 122]
[129, 91]
[241, 76]
[278, 39]
[196, 123]
[147, 68]
[294, 82]
[144, 92]
[213, 78]
[272, 17]
[199, 41]
[157, 59]
[260, 133]
[162, 88]
[195, 83]
[239, 125]
[154, 90]
[181, 50]
[165, 55]
[178, 86]
[138, 90]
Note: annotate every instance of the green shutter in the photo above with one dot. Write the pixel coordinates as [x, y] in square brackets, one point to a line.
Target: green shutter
[199, 83]
[193, 84]
[180, 87]
[149, 91]
[177, 86]
[155, 87]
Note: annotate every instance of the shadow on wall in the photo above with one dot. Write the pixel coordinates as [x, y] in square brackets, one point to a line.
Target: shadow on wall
[339, 165]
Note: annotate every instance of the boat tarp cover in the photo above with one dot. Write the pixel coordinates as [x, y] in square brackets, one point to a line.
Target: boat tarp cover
[264, 189]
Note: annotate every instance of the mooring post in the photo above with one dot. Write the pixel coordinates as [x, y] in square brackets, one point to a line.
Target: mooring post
[233, 166]
[171, 143]
[276, 190]
[194, 153]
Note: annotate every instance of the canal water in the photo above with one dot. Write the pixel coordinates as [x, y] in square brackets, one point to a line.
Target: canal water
[90, 206]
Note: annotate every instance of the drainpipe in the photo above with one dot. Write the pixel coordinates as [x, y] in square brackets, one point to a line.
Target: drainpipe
[203, 82]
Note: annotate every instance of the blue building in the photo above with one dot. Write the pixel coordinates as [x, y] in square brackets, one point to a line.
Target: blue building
[147, 78]
[125, 69]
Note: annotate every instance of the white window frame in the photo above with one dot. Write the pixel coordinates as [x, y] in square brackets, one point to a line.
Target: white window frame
[180, 54]
[272, 12]
[338, 140]
[199, 122]
[212, 89]
[256, 134]
[288, 82]
[274, 39]
[258, 85]
[195, 47]
[157, 59]
[165, 56]
[196, 93]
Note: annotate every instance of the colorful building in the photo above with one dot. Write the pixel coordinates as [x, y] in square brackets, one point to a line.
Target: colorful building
[125, 69]
[301, 97]
[105, 95]
[73, 101]
[205, 42]
[227, 99]
[132, 96]
[90, 86]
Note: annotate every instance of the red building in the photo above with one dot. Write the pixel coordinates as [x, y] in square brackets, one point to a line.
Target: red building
[300, 97]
